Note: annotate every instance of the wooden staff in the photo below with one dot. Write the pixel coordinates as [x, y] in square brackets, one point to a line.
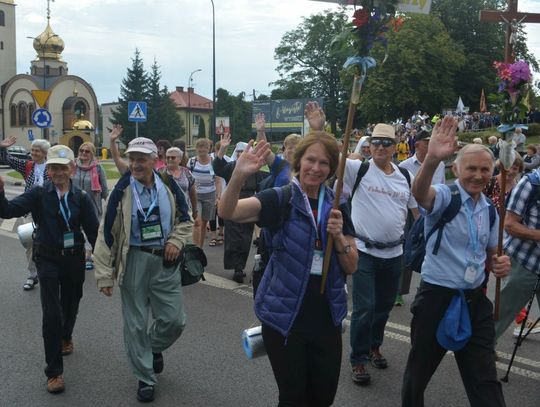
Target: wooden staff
[355, 96]
[502, 215]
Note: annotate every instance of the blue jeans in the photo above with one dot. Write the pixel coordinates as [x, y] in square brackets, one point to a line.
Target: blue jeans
[375, 286]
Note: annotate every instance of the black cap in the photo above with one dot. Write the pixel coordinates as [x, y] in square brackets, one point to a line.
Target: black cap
[423, 135]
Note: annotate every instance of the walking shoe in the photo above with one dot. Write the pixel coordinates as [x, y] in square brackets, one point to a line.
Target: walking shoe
[399, 301]
[378, 360]
[55, 384]
[67, 347]
[528, 325]
[145, 392]
[158, 362]
[239, 276]
[360, 374]
[30, 283]
[89, 265]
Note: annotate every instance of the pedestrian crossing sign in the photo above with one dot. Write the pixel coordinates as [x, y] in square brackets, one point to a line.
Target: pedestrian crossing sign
[137, 111]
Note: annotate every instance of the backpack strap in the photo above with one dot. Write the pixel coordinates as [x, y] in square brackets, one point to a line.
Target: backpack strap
[364, 167]
[406, 174]
[284, 198]
[449, 213]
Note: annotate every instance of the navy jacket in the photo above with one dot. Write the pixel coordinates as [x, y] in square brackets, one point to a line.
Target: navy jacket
[44, 205]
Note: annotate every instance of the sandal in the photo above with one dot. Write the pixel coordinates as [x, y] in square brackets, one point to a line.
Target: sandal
[89, 265]
[212, 242]
[219, 240]
[30, 283]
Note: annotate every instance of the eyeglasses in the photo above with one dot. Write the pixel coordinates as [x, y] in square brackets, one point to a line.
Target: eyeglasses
[382, 142]
[85, 151]
[171, 157]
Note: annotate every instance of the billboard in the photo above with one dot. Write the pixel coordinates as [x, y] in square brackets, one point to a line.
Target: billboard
[282, 115]
[405, 6]
[223, 125]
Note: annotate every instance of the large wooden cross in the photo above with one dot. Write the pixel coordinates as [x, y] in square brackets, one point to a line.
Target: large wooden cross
[512, 18]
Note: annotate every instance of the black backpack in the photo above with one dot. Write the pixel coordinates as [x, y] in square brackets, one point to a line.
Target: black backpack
[415, 244]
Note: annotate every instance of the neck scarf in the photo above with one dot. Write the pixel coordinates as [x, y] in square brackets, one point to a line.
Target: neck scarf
[94, 176]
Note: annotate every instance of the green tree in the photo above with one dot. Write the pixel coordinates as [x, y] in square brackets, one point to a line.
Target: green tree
[418, 74]
[308, 67]
[134, 88]
[164, 123]
[239, 112]
[202, 128]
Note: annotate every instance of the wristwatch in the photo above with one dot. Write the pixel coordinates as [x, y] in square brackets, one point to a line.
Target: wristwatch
[346, 250]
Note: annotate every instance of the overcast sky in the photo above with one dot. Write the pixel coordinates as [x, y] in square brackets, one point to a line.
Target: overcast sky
[101, 36]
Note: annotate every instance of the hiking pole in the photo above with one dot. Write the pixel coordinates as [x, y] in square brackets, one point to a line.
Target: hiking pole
[506, 159]
[355, 98]
[520, 338]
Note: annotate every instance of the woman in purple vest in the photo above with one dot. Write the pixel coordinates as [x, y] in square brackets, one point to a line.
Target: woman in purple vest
[301, 327]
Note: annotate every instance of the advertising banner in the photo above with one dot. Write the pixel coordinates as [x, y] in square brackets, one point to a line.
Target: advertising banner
[223, 125]
[282, 115]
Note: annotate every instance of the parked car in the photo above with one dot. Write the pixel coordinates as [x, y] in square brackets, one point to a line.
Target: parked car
[19, 152]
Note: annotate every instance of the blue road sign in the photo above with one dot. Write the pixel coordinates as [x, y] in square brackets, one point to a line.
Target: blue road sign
[42, 118]
[137, 111]
[30, 135]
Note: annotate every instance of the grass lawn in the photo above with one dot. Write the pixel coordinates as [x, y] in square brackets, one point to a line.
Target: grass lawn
[110, 171]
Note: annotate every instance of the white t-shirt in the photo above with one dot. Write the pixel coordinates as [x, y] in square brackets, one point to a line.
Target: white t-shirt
[379, 206]
[203, 174]
[39, 174]
[413, 165]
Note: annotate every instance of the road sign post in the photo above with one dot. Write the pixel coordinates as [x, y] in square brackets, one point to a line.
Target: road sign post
[137, 112]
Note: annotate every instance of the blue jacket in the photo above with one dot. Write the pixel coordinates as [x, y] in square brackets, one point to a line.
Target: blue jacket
[285, 279]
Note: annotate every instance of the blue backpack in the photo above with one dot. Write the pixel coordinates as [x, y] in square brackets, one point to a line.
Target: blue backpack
[415, 244]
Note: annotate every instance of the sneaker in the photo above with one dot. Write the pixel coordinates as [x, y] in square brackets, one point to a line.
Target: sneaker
[239, 276]
[158, 362]
[55, 384]
[528, 325]
[67, 347]
[378, 360]
[145, 392]
[360, 374]
[31, 282]
[89, 265]
[399, 301]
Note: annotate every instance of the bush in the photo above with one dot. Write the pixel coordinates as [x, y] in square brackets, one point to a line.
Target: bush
[534, 130]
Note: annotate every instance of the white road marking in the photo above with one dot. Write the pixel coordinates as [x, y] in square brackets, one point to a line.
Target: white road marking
[8, 224]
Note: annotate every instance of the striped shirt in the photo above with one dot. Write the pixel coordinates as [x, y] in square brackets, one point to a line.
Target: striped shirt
[527, 252]
[19, 165]
[204, 176]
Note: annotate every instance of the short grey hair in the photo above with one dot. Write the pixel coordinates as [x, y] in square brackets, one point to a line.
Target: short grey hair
[474, 148]
[42, 144]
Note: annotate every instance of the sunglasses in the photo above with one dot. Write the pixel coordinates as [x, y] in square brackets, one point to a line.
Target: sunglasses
[382, 142]
[85, 151]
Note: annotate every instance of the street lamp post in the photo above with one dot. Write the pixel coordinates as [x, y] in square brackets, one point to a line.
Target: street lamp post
[189, 104]
[213, 127]
[44, 73]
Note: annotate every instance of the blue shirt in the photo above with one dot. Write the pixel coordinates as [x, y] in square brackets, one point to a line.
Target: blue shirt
[284, 176]
[447, 268]
[164, 205]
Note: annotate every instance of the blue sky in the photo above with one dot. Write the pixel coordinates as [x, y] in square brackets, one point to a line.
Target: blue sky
[101, 35]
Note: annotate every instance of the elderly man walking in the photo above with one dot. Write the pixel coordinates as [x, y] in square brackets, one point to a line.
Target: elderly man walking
[60, 210]
[145, 227]
[451, 287]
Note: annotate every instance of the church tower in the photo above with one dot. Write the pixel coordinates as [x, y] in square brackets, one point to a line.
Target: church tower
[8, 55]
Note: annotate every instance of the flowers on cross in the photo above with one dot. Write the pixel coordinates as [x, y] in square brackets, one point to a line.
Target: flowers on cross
[513, 88]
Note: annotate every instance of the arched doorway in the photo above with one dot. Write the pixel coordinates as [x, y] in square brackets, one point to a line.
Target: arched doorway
[74, 143]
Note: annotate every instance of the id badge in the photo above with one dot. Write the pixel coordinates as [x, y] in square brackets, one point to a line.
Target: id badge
[470, 272]
[69, 240]
[317, 263]
[151, 230]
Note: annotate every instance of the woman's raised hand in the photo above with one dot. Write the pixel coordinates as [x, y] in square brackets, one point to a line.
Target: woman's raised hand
[8, 142]
[252, 159]
[116, 132]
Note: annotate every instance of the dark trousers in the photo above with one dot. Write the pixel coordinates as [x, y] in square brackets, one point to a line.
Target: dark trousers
[61, 288]
[476, 361]
[237, 244]
[306, 367]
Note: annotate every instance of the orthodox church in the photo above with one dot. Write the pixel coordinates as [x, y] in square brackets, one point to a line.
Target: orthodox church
[70, 100]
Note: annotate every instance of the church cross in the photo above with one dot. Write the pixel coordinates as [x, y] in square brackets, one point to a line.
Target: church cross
[49, 9]
[512, 18]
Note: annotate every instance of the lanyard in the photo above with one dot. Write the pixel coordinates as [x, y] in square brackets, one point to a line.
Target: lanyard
[473, 228]
[62, 210]
[138, 200]
[308, 206]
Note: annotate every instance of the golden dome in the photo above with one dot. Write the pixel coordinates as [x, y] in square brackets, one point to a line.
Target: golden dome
[48, 45]
[82, 124]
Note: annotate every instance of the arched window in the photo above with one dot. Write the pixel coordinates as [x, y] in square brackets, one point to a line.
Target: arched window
[31, 109]
[2, 18]
[23, 114]
[79, 109]
[13, 115]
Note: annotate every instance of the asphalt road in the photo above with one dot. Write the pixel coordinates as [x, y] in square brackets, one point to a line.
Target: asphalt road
[206, 366]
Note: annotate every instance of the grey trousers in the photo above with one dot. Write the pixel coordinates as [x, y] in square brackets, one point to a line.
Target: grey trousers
[148, 286]
[514, 295]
